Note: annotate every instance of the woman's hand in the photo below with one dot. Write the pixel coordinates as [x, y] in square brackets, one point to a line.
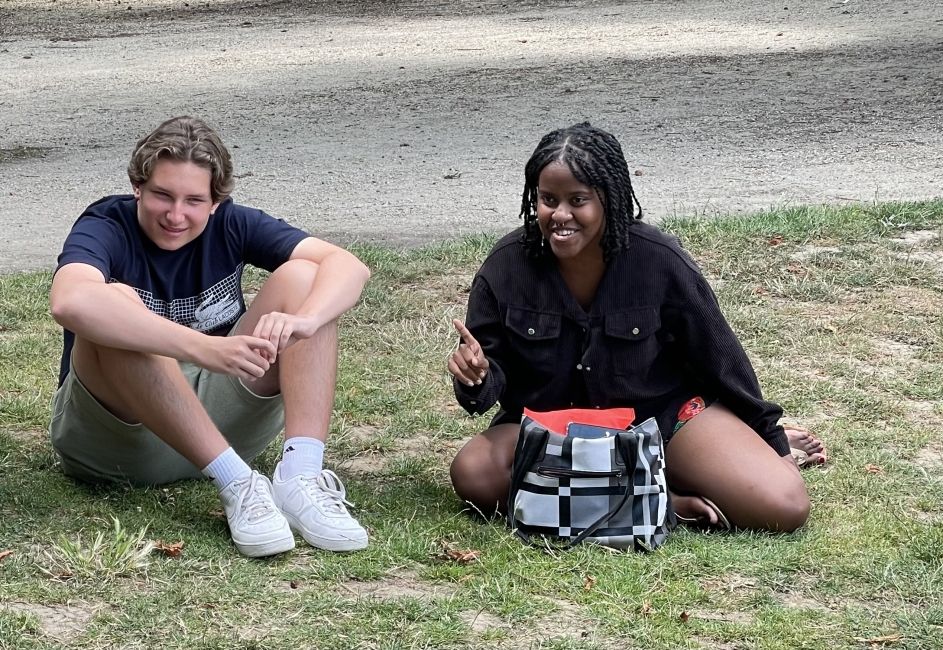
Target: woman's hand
[468, 363]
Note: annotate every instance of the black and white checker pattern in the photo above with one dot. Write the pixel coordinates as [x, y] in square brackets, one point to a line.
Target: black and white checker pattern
[615, 482]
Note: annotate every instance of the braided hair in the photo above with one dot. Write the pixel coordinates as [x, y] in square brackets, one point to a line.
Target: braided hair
[595, 159]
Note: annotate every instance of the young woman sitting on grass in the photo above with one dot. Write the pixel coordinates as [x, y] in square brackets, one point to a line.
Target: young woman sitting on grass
[586, 306]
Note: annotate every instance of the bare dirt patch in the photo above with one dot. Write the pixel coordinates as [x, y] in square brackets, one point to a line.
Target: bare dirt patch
[931, 458]
[62, 623]
[565, 623]
[372, 461]
[796, 600]
[402, 584]
[482, 621]
[812, 251]
[916, 237]
[895, 349]
[731, 583]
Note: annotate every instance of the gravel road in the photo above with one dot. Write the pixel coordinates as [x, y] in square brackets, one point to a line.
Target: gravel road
[408, 122]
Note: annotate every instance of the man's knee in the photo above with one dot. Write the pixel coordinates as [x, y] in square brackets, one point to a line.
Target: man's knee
[91, 357]
[300, 273]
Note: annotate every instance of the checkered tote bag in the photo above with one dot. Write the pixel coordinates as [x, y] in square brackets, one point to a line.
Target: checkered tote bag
[594, 484]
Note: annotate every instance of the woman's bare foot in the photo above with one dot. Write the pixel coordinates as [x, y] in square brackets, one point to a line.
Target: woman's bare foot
[803, 441]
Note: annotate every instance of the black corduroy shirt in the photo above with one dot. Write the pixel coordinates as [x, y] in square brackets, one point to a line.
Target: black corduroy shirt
[653, 334]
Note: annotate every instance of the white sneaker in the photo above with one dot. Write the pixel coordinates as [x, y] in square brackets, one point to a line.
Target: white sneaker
[315, 507]
[257, 527]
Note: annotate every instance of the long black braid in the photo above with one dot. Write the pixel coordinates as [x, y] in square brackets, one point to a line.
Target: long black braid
[595, 159]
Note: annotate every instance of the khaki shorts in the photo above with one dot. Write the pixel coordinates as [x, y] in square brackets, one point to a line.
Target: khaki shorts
[93, 445]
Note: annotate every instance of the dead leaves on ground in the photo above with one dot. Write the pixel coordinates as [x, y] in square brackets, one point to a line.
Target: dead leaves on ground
[5, 554]
[448, 551]
[170, 549]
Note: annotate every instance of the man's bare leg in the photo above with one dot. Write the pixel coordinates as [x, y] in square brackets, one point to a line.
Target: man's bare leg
[150, 389]
[312, 499]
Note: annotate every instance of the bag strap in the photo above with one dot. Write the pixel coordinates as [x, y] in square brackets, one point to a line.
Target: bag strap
[625, 452]
[530, 445]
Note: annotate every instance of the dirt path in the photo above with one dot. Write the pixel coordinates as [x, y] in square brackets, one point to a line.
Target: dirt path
[406, 122]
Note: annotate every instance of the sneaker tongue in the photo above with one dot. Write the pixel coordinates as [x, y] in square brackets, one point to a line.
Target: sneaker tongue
[256, 504]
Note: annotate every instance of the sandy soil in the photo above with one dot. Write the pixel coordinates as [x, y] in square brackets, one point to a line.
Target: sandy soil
[406, 122]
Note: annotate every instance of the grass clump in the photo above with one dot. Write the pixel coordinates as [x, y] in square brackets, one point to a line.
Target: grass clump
[101, 556]
[839, 309]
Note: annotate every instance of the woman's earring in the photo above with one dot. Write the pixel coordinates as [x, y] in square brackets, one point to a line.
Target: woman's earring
[543, 243]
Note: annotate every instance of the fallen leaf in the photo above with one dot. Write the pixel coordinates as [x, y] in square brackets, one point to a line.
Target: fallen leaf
[639, 172]
[462, 556]
[294, 584]
[873, 469]
[776, 240]
[760, 291]
[589, 582]
[646, 608]
[889, 638]
[170, 549]
[219, 513]
[5, 554]
[684, 617]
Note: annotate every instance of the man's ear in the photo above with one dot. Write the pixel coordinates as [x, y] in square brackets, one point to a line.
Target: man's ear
[137, 191]
[213, 208]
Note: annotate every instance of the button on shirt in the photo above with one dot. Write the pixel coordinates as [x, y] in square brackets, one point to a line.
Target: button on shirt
[653, 333]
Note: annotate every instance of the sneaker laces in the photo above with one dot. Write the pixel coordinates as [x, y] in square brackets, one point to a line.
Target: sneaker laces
[328, 491]
[256, 500]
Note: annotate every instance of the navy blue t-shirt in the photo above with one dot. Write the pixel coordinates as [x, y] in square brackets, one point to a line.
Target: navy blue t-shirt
[200, 284]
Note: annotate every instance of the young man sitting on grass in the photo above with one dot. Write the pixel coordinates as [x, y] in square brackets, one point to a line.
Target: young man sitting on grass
[166, 374]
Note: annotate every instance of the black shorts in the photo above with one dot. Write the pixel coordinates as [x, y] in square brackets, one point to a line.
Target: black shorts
[674, 414]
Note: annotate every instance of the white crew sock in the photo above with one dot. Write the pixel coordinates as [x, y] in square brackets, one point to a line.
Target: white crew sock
[226, 468]
[301, 456]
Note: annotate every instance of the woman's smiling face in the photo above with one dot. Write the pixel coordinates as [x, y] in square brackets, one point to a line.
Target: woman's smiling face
[571, 215]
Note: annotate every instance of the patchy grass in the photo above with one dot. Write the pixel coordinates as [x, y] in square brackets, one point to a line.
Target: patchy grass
[838, 308]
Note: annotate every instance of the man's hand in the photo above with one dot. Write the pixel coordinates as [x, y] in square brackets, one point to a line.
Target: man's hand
[468, 363]
[246, 357]
[281, 330]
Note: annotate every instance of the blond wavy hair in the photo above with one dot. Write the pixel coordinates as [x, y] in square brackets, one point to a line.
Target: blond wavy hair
[186, 139]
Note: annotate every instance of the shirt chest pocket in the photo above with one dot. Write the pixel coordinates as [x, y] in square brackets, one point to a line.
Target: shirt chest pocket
[632, 341]
[534, 336]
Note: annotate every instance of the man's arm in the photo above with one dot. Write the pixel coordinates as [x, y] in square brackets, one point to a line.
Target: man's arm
[111, 315]
[339, 281]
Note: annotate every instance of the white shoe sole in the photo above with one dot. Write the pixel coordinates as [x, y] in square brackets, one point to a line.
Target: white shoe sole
[264, 549]
[325, 543]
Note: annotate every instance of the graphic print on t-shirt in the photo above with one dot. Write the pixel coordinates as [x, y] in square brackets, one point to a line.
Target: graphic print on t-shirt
[209, 310]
